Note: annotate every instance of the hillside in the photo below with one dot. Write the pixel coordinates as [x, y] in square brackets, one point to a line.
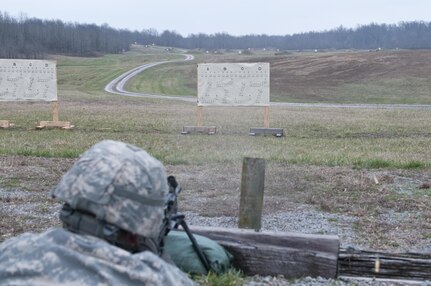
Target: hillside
[391, 76]
[353, 77]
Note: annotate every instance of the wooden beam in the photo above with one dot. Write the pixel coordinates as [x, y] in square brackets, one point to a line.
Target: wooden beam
[380, 281]
[266, 116]
[391, 265]
[277, 132]
[210, 130]
[55, 108]
[297, 255]
[200, 116]
[273, 253]
[54, 124]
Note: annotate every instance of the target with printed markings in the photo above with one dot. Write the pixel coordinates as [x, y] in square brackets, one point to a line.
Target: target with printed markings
[233, 84]
[23, 80]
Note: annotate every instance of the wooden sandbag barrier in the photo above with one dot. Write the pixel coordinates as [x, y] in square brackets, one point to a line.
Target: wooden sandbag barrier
[296, 255]
[273, 253]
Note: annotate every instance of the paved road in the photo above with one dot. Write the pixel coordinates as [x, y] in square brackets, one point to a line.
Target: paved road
[117, 87]
[366, 106]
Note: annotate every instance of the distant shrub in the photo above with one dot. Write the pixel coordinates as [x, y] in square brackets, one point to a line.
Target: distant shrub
[246, 52]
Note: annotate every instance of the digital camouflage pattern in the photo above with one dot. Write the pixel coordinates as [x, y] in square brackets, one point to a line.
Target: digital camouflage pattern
[120, 184]
[59, 257]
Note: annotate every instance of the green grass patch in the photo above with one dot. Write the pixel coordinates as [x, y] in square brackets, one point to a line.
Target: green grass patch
[93, 74]
[231, 278]
[421, 193]
[372, 164]
[416, 165]
[426, 236]
[169, 79]
[11, 183]
[48, 153]
[44, 208]
[403, 90]
[384, 164]
[327, 137]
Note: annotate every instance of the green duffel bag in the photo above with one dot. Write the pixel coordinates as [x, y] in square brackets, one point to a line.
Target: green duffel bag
[180, 249]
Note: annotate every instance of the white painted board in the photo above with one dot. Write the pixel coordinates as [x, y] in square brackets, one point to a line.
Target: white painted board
[233, 84]
[23, 80]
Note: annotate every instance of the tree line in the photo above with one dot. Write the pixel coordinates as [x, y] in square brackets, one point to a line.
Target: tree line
[405, 35]
[34, 38]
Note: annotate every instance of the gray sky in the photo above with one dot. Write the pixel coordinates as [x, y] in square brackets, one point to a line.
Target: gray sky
[236, 17]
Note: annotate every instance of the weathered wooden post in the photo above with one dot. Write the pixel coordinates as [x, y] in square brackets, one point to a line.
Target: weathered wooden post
[55, 108]
[252, 186]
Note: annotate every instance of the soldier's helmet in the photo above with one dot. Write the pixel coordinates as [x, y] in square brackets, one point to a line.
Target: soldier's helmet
[118, 183]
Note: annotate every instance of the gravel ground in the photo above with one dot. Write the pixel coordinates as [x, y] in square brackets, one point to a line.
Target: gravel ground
[319, 281]
[305, 221]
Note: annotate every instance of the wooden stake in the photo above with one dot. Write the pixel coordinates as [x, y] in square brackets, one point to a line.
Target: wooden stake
[55, 108]
[199, 116]
[251, 201]
[266, 117]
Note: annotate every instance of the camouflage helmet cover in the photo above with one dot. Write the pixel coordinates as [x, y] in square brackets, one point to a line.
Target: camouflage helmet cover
[120, 184]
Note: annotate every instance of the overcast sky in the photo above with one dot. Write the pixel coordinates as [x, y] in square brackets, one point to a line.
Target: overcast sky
[236, 17]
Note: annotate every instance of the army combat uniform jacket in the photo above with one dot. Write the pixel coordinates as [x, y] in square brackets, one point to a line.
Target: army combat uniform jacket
[59, 257]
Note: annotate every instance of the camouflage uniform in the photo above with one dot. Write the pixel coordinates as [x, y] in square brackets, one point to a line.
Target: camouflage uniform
[59, 257]
[117, 183]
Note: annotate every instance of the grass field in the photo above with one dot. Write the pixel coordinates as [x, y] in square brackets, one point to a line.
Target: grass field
[364, 138]
[92, 74]
[374, 138]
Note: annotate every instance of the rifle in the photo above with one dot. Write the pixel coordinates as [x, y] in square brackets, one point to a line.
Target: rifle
[173, 219]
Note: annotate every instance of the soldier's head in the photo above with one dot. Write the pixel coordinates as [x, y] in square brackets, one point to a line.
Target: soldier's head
[116, 191]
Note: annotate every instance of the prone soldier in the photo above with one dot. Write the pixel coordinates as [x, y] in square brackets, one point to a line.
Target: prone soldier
[114, 199]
